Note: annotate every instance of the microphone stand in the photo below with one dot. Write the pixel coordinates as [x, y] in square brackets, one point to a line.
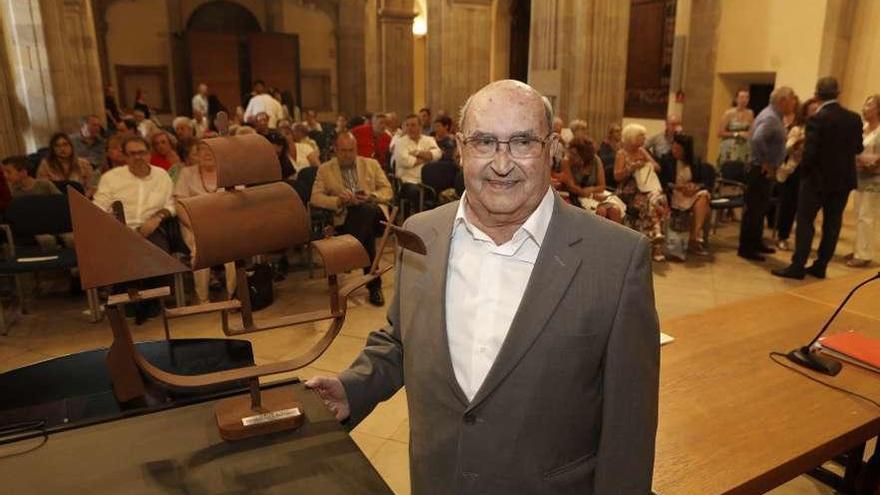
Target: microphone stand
[804, 356]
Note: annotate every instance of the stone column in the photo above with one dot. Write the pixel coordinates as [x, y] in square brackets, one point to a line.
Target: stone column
[351, 61]
[371, 56]
[459, 51]
[396, 55]
[699, 71]
[72, 60]
[578, 58]
[11, 142]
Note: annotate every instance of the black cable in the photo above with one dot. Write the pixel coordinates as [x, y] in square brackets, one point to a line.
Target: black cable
[16, 432]
[773, 355]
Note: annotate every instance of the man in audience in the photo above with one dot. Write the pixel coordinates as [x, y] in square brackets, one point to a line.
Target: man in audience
[200, 100]
[186, 135]
[264, 103]
[301, 135]
[444, 138]
[411, 151]
[767, 153]
[312, 122]
[828, 174]
[660, 145]
[88, 143]
[354, 187]
[146, 194]
[381, 139]
[260, 123]
[425, 121]
[258, 87]
[15, 168]
[526, 336]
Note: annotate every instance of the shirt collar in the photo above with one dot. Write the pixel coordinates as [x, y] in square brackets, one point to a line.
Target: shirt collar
[826, 103]
[534, 227]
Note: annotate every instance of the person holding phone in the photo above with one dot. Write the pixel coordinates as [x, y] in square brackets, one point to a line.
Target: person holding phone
[356, 189]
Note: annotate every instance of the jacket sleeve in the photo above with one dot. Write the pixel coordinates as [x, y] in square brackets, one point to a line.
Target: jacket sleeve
[812, 133]
[383, 191]
[320, 197]
[377, 372]
[630, 387]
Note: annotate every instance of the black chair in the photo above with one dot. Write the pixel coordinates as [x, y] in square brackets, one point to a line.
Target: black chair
[63, 184]
[34, 160]
[437, 177]
[728, 191]
[24, 219]
[320, 218]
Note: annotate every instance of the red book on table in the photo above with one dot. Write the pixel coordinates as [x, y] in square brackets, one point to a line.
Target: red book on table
[853, 347]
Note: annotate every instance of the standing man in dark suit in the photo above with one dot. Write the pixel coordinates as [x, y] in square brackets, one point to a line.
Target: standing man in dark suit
[828, 168]
[767, 153]
[526, 337]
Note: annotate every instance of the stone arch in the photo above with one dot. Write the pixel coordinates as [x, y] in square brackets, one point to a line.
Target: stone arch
[223, 16]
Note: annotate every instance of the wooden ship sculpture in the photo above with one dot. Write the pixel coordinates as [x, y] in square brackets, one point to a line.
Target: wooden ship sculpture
[256, 213]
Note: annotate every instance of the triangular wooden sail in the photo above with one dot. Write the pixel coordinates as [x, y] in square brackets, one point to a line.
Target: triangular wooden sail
[109, 252]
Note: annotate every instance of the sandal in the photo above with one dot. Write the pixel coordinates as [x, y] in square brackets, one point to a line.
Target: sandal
[697, 248]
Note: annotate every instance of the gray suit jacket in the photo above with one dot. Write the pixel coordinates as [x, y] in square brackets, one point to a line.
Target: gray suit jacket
[570, 404]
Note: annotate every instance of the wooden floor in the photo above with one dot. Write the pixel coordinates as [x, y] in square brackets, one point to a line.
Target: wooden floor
[59, 325]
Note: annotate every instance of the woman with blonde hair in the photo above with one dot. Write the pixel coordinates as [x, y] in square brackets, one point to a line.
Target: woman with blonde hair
[640, 188]
[867, 197]
[62, 164]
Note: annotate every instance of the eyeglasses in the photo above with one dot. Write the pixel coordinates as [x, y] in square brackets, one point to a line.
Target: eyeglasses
[137, 153]
[518, 147]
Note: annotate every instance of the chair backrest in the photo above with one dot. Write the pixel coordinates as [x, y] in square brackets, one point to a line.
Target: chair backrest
[38, 214]
[734, 171]
[709, 175]
[63, 184]
[439, 175]
[305, 179]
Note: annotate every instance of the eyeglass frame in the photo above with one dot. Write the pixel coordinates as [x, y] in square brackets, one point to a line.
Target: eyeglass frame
[546, 139]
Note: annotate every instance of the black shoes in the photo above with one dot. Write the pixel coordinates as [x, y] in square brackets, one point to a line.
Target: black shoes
[751, 256]
[766, 250]
[790, 271]
[816, 271]
[376, 297]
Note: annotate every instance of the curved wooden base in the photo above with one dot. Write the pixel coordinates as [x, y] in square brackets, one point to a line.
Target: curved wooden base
[279, 411]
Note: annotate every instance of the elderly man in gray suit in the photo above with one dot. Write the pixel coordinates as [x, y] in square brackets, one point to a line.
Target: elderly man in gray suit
[527, 336]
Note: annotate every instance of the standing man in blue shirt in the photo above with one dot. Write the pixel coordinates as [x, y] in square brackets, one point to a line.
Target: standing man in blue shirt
[768, 152]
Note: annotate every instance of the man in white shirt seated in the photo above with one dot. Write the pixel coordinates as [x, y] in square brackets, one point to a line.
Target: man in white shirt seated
[411, 151]
[200, 100]
[146, 194]
[311, 121]
[264, 103]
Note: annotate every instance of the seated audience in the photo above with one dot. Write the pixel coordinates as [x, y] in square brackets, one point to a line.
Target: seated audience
[302, 154]
[660, 145]
[312, 123]
[445, 140]
[145, 192]
[260, 123]
[608, 152]
[688, 190]
[354, 187]
[115, 156]
[126, 126]
[164, 153]
[62, 164]
[88, 142]
[584, 179]
[145, 126]
[186, 135]
[578, 129]
[411, 151]
[196, 180]
[425, 121]
[639, 188]
[282, 150]
[20, 183]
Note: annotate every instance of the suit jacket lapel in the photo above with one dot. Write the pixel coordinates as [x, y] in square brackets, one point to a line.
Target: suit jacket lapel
[439, 242]
[555, 267]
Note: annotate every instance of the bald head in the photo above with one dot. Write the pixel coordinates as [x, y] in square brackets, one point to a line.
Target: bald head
[346, 149]
[505, 92]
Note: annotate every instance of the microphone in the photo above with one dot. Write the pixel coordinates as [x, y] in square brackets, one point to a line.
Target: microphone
[804, 356]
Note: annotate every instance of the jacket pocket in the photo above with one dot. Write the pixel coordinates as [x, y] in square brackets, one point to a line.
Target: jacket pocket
[574, 470]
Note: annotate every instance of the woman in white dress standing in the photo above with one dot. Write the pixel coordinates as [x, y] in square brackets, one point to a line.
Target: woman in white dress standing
[867, 197]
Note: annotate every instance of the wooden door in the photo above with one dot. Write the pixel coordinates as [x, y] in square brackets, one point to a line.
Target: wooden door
[214, 60]
[274, 58]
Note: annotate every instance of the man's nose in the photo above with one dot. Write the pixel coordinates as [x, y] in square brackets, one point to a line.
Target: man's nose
[502, 164]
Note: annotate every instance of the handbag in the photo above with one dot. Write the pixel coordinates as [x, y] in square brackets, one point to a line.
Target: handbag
[260, 285]
[681, 220]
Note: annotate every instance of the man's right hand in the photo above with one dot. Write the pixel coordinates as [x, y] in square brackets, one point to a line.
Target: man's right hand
[333, 394]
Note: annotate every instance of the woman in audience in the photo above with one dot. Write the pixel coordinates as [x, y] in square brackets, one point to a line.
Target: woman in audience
[608, 151]
[301, 154]
[164, 153]
[115, 156]
[639, 187]
[140, 103]
[735, 131]
[196, 180]
[62, 164]
[578, 130]
[288, 172]
[584, 179]
[788, 174]
[867, 198]
[688, 189]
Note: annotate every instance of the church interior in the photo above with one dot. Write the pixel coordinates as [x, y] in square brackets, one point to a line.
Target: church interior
[82, 81]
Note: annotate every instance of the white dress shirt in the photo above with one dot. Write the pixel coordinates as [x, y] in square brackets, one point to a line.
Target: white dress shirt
[264, 103]
[200, 104]
[141, 197]
[407, 169]
[485, 283]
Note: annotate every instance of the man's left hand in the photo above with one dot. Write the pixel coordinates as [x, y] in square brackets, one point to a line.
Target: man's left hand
[147, 228]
